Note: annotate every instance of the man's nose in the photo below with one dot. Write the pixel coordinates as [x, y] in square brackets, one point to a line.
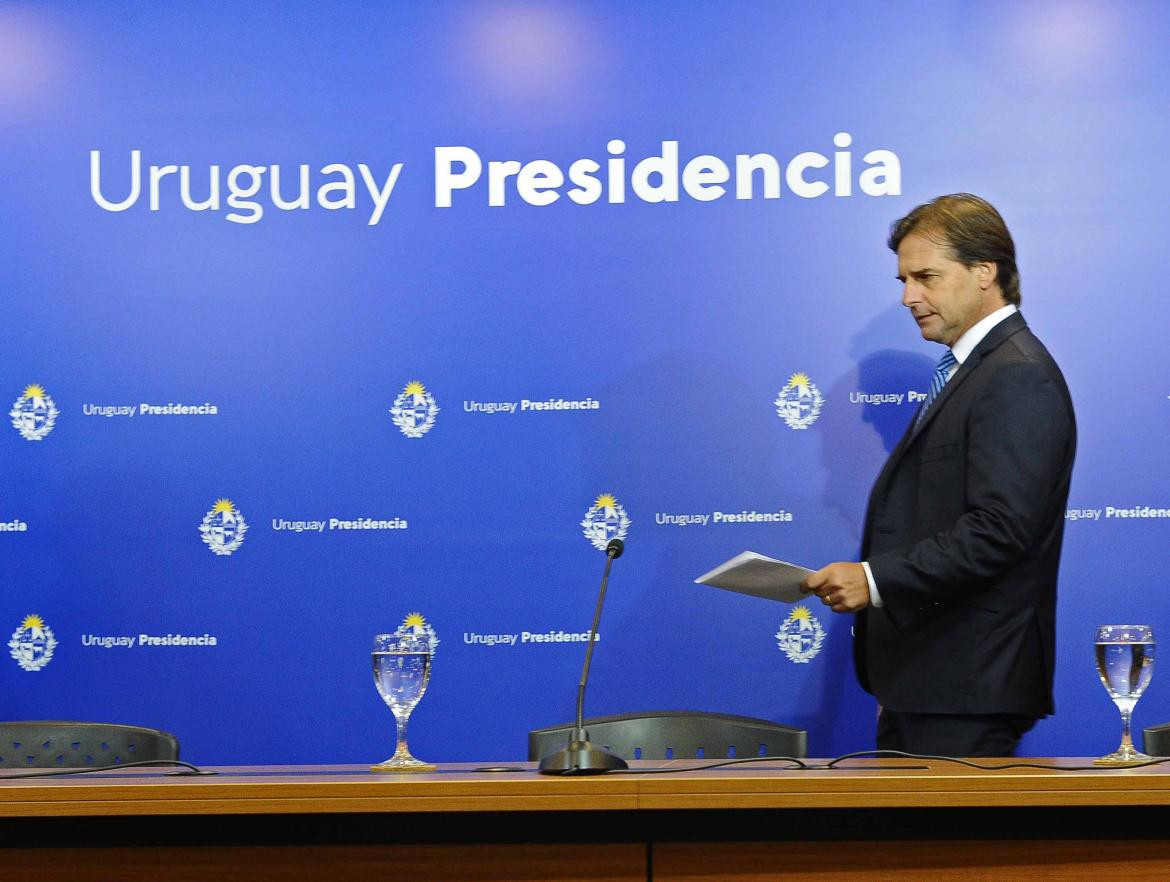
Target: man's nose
[910, 294]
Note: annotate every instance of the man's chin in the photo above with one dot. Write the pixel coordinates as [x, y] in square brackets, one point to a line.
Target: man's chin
[929, 332]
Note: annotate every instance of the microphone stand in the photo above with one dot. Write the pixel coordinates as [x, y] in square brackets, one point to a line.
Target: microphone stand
[580, 757]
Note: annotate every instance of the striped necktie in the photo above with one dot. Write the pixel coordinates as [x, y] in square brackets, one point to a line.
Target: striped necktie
[941, 374]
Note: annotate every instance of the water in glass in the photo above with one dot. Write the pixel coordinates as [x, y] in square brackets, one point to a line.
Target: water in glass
[401, 678]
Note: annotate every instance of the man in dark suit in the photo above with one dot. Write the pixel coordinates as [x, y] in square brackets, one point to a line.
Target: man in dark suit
[955, 598]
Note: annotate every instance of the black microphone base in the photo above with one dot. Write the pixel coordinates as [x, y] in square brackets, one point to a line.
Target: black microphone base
[581, 758]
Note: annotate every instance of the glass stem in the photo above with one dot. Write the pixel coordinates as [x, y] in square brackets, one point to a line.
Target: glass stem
[1126, 740]
[400, 749]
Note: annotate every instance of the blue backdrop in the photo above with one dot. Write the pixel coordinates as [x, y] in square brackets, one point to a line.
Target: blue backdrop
[188, 356]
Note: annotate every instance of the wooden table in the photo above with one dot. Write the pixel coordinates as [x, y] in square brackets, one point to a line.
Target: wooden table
[870, 820]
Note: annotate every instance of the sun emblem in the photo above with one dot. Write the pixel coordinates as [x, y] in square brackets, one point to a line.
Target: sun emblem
[223, 527]
[605, 520]
[801, 636]
[799, 402]
[417, 626]
[414, 410]
[34, 414]
[32, 644]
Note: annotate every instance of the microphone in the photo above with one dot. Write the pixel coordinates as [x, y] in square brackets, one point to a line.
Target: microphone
[580, 757]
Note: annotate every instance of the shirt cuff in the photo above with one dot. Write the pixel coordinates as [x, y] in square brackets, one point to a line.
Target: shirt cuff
[875, 599]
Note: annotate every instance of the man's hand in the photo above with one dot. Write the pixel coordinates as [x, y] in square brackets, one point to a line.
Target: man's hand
[841, 586]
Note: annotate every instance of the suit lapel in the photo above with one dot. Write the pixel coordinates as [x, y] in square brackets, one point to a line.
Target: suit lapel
[996, 336]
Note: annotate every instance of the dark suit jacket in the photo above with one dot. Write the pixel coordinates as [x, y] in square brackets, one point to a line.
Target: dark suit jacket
[963, 534]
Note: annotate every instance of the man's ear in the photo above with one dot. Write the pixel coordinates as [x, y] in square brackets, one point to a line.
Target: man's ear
[987, 272]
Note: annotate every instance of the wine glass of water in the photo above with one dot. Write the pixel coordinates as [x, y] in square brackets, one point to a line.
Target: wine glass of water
[1125, 663]
[402, 668]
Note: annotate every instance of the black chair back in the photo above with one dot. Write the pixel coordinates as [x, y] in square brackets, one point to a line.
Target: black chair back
[677, 735]
[47, 744]
[1156, 741]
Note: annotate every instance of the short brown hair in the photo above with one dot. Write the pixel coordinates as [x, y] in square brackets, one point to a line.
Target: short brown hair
[974, 231]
